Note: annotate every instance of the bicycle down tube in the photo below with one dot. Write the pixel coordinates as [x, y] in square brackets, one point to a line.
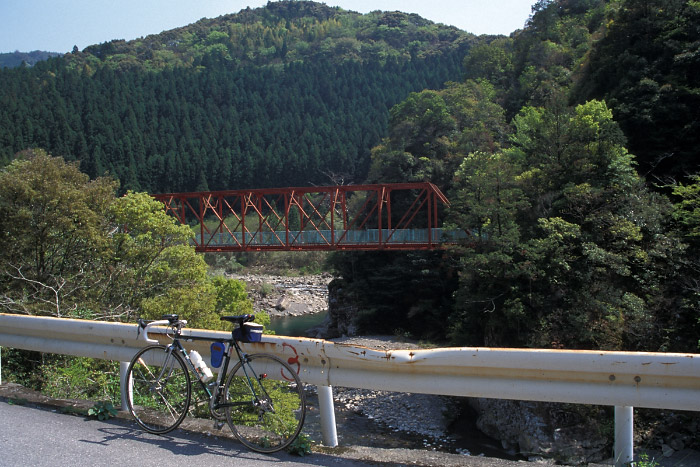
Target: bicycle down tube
[265, 414]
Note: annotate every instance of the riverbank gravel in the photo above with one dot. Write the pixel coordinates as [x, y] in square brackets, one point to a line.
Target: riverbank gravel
[287, 295]
[422, 414]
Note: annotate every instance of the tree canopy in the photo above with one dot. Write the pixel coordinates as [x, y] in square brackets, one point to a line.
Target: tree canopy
[74, 249]
[546, 143]
[571, 246]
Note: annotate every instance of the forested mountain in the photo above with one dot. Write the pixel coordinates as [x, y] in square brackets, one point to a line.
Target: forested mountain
[295, 93]
[569, 150]
[15, 59]
[283, 32]
[640, 56]
[647, 67]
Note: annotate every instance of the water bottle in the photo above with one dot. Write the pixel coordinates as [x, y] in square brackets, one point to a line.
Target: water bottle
[203, 370]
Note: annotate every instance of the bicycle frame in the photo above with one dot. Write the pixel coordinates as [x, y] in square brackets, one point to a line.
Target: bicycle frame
[264, 414]
[219, 382]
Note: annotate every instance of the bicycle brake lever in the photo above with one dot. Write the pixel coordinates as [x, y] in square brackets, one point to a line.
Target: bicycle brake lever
[144, 336]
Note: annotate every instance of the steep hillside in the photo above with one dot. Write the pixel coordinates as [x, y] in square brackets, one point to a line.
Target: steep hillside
[641, 57]
[572, 246]
[646, 65]
[295, 93]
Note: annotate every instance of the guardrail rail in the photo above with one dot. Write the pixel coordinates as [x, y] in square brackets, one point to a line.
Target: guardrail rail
[621, 379]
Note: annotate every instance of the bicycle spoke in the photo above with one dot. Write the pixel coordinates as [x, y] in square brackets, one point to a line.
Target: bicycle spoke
[269, 413]
[160, 394]
[262, 399]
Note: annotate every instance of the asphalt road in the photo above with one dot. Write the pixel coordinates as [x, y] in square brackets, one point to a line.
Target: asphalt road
[32, 436]
[36, 431]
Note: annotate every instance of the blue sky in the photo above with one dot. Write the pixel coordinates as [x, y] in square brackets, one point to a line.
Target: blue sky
[58, 25]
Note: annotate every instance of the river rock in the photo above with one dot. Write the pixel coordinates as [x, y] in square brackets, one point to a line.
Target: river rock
[422, 414]
[667, 450]
[542, 430]
[282, 304]
[342, 311]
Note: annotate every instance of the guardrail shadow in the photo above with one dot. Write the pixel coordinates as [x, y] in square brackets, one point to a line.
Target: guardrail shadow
[179, 442]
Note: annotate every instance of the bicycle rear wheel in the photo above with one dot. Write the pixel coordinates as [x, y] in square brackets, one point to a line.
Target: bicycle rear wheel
[267, 405]
[159, 389]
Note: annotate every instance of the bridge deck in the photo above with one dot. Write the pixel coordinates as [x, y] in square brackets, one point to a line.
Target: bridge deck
[371, 239]
[398, 216]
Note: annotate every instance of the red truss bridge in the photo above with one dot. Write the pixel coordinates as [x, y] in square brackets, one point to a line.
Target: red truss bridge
[396, 216]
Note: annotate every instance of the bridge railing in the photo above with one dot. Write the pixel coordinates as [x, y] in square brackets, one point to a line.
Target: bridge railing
[621, 379]
[327, 238]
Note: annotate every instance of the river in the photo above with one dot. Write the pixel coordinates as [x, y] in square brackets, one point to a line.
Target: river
[295, 326]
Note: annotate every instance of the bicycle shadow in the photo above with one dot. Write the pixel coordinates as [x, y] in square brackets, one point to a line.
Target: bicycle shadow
[178, 442]
[191, 444]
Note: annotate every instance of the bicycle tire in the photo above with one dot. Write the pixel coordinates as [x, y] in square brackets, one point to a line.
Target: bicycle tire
[159, 390]
[270, 420]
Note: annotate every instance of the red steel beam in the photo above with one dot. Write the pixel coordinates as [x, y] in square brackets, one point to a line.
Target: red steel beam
[311, 218]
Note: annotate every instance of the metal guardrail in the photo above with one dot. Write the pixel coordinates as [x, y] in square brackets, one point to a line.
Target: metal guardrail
[620, 379]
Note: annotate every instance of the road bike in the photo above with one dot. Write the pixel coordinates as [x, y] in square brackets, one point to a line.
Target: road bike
[261, 398]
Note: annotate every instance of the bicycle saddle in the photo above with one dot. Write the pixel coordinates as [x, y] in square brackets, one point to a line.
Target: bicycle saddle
[240, 319]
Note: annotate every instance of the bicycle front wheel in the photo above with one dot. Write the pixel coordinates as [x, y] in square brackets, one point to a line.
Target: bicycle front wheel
[265, 404]
[159, 389]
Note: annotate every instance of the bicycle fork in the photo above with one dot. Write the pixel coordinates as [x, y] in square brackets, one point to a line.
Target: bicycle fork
[162, 379]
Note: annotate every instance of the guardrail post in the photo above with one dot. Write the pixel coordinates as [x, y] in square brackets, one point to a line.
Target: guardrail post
[327, 410]
[123, 384]
[624, 436]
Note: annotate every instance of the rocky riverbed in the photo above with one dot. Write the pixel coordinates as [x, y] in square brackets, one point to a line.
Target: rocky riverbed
[418, 418]
[287, 295]
[535, 430]
[425, 415]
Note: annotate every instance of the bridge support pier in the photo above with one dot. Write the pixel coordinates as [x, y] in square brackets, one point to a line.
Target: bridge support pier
[624, 435]
[327, 410]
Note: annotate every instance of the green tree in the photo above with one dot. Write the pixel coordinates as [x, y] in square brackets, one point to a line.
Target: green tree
[645, 66]
[571, 246]
[431, 131]
[687, 210]
[152, 260]
[486, 203]
[430, 134]
[53, 223]
[686, 213]
[231, 296]
[492, 61]
[76, 250]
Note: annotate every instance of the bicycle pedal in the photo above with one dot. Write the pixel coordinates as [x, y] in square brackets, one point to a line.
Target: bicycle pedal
[218, 425]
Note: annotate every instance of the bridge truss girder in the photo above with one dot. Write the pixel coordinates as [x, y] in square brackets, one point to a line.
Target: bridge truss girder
[352, 217]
